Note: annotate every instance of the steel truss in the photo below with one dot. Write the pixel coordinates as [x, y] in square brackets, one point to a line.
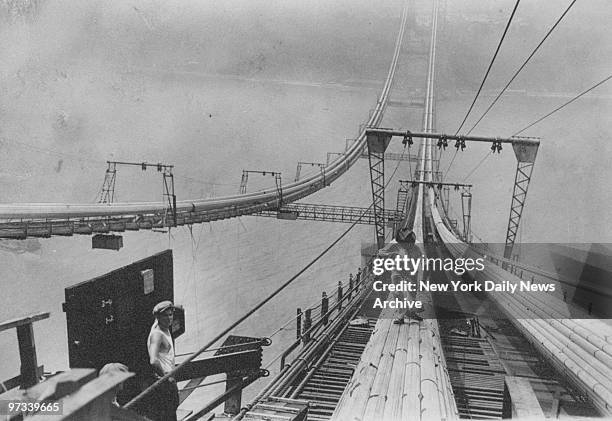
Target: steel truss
[525, 151]
[519, 196]
[108, 187]
[107, 194]
[377, 145]
[331, 213]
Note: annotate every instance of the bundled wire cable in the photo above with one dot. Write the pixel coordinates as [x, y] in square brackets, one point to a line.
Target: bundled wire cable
[522, 66]
[563, 106]
[484, 79]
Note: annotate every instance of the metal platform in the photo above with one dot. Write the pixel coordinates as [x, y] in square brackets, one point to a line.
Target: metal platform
[330, 213]
[325, 386]
[477, 377]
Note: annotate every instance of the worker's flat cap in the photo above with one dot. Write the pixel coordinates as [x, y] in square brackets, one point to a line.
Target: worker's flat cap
[162, 306]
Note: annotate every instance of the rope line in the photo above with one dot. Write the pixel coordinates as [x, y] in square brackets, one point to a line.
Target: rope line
[484, 158]
[451, 163]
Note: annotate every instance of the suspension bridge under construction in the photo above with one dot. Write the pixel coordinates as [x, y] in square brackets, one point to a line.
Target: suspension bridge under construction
[525, 355]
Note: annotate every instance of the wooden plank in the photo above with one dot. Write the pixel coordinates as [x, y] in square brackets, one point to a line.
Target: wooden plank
[319, 397]
[328, 391]
[55, 387]
[329, 378]
[347, 361]
[318, 386]
[340, 366]
[92, 401]
[14, 382]
[345, 354]
[338, 373]
[468, 391]
[27, 355]
[9, 324]
[523, 399]
[189, 388]
[285, 408]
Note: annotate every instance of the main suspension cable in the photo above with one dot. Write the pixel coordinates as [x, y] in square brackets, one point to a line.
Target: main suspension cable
[522, 66]
[490, 65]
[562, 106]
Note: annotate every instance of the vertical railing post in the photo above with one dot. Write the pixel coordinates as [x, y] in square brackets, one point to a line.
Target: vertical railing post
[298, 327]
[339, 295]
[350, 289]
[27, 354]
[307, 325]
[324, 308]
[234, 401]
[28, 371]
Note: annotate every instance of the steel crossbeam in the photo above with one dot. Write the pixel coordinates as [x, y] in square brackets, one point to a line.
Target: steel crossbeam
[438, 184]
[444, 136]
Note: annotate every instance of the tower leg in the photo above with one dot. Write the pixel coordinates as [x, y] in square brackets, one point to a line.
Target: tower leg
[466, 205]
[377, 179]
[376, 157]
[519, 196]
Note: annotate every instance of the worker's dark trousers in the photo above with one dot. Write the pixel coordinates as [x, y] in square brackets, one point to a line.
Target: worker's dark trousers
[164, 402]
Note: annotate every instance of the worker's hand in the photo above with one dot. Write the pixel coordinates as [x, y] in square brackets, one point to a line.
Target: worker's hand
[171, 380]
